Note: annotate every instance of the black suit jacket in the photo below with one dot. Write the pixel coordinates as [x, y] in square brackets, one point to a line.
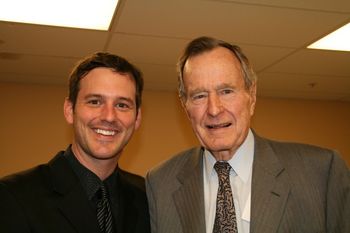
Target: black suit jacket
[50, 199]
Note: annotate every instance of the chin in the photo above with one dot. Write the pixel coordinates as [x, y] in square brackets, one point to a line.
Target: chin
[218, 148]
[104, 154]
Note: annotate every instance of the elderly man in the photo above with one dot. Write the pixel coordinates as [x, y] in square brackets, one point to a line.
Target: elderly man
[237, 181]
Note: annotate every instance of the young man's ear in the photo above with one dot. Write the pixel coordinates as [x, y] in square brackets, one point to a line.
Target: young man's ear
[68, 111]
[138, 119]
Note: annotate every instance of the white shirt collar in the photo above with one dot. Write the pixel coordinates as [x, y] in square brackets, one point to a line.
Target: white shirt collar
[242, 164]
[241, 161]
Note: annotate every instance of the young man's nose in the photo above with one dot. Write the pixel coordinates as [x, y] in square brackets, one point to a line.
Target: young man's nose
[108, 112]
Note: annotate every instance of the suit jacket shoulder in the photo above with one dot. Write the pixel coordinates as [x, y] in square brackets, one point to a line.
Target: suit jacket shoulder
[175, 194]
[298, 188]
[301, 151]
[14, 189]
[170, 167]
[50, 198]
[47, 198]
[42, 199]
[134, 180]
[133, 207]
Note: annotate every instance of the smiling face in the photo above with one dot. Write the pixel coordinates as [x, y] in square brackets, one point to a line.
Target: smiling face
[104, 117]
[217, 102]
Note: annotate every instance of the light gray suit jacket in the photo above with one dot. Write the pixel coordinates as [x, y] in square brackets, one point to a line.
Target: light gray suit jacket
[295, 188]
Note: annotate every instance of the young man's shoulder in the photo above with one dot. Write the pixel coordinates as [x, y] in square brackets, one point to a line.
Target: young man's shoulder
[133, 180]
[24, 179]
[34, 179]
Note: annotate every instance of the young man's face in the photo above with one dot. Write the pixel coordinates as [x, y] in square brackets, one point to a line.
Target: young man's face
[105, 114]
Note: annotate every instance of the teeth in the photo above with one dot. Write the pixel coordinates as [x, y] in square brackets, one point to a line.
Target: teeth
[218, 126]
[105, 132]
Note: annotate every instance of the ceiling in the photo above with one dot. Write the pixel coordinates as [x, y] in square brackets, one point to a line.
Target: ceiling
[152, 34]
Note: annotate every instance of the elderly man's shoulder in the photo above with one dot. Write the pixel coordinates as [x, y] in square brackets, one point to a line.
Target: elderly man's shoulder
[177, 161]
[303, 152]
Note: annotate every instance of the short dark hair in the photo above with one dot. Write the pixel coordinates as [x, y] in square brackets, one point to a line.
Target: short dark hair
[205, 44]
[107, 60]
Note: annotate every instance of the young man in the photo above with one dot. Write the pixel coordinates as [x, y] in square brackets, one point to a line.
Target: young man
[237, 181]
[82, 189]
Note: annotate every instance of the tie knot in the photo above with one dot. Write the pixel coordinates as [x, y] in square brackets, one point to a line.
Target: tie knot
[101, 192]
[222, 168]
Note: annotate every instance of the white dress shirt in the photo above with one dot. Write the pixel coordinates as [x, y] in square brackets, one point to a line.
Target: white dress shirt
[240, 179]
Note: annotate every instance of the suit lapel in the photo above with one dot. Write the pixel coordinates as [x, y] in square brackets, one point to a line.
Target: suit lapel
[74, 205]
[127, 211]
[270, 189]
[189, 198]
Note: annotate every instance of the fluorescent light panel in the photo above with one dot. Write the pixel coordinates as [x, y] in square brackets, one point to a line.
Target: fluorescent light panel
[337, 40]
[87, 14]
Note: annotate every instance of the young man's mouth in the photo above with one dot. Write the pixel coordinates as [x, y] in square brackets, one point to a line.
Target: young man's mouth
[105, 132]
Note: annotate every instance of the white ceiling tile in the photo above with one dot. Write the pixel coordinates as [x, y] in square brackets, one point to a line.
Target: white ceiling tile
[230, 21]
[153, 33]
[318, 62]
[54, 41]
[159, 77]
[324, 5]
[261, 56]
[147, 49]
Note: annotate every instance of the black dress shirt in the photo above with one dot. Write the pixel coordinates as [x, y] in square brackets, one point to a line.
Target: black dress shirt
[91, 183]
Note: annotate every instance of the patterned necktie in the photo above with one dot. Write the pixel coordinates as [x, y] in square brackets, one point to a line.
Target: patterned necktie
[225, 217]
[104, 213]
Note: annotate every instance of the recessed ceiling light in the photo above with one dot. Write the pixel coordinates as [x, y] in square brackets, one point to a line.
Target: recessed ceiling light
[87, 14]
[337, 40]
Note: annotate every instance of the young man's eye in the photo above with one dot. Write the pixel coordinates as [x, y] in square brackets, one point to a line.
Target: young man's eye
[94, 102]
[122, 106]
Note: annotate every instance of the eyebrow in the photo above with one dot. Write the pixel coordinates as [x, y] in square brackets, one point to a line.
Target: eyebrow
[130, 100]
[92, 96]
[226, 85]
[197, 90]
[221, 86]
[127, 100]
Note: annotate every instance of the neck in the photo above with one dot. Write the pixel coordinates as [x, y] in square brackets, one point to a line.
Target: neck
[223, 155]
[103, 171]
[103, 168]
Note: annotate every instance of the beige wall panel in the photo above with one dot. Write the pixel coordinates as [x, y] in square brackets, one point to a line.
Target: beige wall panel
[33, 128]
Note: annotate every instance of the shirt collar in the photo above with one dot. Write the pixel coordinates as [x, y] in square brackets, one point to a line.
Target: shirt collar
[89, 180]
[241, 161]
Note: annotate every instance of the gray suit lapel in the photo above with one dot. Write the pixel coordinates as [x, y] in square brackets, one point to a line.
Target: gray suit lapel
[270, 189]
[189, 198]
